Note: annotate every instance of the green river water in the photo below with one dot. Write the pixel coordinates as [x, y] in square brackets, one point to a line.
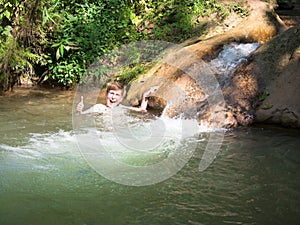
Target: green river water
[45, 180]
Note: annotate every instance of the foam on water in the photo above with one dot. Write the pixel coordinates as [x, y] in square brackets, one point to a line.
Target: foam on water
[151, 149]
[137, 142]
[136, 136]
[42, 152]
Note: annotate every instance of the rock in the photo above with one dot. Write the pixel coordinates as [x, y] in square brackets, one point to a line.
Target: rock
[281, 106]
[181, 93]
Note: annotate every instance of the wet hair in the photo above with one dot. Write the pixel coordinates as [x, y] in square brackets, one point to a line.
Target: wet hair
[114, 86]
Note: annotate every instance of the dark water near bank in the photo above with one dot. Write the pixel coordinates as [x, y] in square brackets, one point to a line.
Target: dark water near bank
[255, 178]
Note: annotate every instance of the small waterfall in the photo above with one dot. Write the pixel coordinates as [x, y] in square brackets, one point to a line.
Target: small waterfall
[211, 77]
[230, 57]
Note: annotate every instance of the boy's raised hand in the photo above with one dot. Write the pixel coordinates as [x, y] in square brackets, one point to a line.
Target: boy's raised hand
[80, 105]
[150, 91]
[146, 95]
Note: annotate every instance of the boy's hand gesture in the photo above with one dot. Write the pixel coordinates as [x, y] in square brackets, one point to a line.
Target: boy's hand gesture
[80, 105]
[148, 93]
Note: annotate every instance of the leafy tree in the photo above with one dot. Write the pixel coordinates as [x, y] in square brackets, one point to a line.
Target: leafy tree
[21, 39]
[55, 41]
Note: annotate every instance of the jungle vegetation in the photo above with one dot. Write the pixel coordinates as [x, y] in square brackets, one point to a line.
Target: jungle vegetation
[54, 41]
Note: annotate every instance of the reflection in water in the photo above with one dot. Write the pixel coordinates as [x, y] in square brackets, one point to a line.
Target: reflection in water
[45, 180]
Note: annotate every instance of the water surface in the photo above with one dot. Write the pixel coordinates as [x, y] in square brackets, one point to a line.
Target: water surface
[254, 179]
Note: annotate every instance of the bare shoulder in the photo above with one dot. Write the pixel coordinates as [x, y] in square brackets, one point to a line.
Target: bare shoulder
[100, 107]
[97, 108]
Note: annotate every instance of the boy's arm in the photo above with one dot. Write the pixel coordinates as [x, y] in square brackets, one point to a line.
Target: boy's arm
[144, 103]
[142, 108]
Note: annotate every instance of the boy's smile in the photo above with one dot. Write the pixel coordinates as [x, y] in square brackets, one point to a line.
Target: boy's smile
[113, 98]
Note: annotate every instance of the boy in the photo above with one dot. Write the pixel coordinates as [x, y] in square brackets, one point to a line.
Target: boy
[114, 96]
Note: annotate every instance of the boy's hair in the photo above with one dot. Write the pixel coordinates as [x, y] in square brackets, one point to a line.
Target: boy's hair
[114, 86]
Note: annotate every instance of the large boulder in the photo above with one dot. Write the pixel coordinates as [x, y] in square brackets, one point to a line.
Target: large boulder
[182, 92]
[277, 67]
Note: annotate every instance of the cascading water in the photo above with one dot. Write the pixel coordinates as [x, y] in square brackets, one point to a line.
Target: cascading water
[230, 57]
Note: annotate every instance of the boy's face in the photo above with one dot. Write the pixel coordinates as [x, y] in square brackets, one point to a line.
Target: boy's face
[113, 98]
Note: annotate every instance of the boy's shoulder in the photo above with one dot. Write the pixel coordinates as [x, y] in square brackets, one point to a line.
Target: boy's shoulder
[100, 107]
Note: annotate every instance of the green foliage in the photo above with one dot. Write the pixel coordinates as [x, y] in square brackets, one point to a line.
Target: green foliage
[129, 73]
[266, 106]
[14, 61]
[239, 10]
[62, 38]
[83, 33]
[263, 96]
[176, 20]
[20, 40]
